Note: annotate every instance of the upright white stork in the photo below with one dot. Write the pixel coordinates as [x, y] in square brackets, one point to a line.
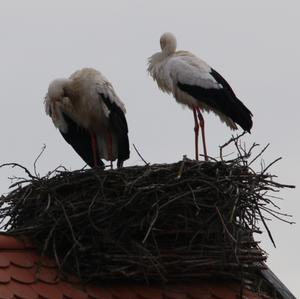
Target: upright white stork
[90, 117]
[194, 83]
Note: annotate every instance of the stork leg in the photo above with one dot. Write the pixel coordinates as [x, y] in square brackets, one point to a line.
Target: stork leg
[196, 129]
[201, 122]
[109, 147]
[94, 149]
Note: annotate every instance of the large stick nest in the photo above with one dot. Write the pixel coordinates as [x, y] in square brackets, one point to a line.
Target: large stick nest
[164, 222]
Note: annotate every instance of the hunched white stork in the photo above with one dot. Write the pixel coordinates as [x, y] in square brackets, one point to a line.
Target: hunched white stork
[195, 84]
[90, 116]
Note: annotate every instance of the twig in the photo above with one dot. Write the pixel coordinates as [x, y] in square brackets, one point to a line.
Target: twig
[260, 153]
[146, 163]
[20, 166]
[184, 158]
[225, 227]
[265, 225]
[151, 226]
[272, 163]
[232, 139]
[36, 160]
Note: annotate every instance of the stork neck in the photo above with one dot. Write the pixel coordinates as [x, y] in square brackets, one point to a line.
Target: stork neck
[168, 50]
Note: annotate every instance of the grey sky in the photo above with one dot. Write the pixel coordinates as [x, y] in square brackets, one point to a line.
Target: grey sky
[254, 45]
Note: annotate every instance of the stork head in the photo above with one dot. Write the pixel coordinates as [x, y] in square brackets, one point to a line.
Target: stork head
[57, 89]
[56, 98]
[168, 43]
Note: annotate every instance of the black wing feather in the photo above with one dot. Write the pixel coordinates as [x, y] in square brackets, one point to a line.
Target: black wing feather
[119, 124]
[80, 139]
[223, 100]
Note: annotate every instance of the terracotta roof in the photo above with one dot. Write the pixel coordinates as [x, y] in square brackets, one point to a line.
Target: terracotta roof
[25, 275]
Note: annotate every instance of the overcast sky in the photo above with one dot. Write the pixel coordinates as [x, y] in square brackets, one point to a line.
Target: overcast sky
[254, 45]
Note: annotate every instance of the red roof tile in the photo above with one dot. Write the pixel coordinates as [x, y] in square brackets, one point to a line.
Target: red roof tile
[96, 292]
[25, 275]
[152, 293]
[47, 275]
[22, 275]
[4, 276]
[9, 242]
[4, 262]
[6, 293]
[47, 291]
[22, 291]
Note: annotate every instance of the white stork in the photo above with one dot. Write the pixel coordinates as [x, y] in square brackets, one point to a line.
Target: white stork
[90, 117]
[194, 83]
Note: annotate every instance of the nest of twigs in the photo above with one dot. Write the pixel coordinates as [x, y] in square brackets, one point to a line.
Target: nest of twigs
[164, 222]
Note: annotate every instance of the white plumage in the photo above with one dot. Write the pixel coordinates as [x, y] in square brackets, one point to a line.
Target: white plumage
[195, 84]
[87, 105]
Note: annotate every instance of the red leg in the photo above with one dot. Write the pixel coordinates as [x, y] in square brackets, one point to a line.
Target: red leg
[201, 122]
[109, 147]
[94, 149]
[196, 129]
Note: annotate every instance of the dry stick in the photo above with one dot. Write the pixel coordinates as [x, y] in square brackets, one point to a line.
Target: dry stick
[273, 213]
[249, 151]
[276, 160]
[43, 251]
[259, 154]
[184, 158]
[70, 225]
[239, 148]
[146, 163]
[90, 211]
[36, 160]
[20, 166]
[265, 225]
[225, 227]
[151, 225]
[232, 139]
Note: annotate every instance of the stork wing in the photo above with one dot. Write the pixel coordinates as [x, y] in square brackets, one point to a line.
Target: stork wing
[119, 124]
[189, 69]
[206, 85]
[79, 138]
